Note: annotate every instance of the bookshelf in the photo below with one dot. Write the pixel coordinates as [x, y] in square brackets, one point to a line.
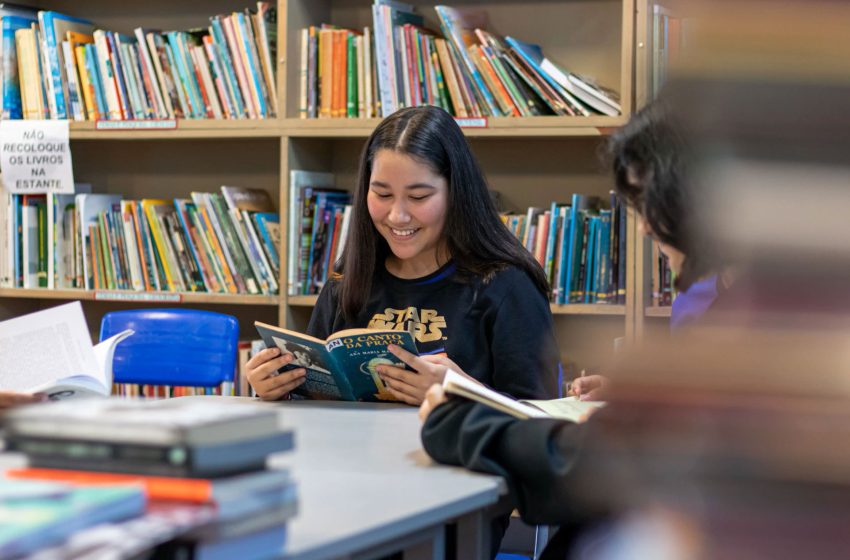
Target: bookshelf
[195, 155]
[650, 55]
[528, 160]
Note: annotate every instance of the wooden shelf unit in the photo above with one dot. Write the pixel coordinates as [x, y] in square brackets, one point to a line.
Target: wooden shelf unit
[644, 69]
[530, 161]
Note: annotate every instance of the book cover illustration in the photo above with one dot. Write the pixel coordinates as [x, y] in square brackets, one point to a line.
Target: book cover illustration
[343, 367]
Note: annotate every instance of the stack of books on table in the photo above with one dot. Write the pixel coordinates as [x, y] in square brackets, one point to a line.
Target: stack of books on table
[204, 454]
[37, 514]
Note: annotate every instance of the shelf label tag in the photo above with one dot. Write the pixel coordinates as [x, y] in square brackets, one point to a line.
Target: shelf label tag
[137, 296]
[35, 156]
[157, 124]
[471, 122]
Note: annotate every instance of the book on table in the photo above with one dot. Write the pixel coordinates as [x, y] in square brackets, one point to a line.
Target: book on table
[177, 459]
[35, 514]
[343, 367]
[147, 422]
[568, 408]
[231, 495]
[50, 352]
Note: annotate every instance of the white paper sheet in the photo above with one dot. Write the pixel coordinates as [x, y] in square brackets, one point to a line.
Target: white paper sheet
[42, 347]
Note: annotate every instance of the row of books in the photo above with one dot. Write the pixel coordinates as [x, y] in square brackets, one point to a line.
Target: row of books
[338, 76]
[58, 66]
[319, 218]
[218, 243]
[117, 461]
[469, 72]
[663, 293]
[239, 387]
[228, 389]
[581, 247]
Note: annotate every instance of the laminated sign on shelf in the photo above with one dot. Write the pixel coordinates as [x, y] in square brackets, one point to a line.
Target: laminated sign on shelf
[35, 156]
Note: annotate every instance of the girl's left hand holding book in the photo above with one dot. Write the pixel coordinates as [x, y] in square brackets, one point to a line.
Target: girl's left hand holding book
[262, 374]
[410, 386]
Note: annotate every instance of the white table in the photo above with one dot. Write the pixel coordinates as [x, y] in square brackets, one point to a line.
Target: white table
[366, 487]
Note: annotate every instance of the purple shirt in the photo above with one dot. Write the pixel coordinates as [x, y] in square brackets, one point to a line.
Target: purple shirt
[690, 305]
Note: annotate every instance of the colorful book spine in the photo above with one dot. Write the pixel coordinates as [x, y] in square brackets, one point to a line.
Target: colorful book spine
[101, 107]
[49, 23]
[186, 108]
[11, 89]
[220, 44]
[186, 77]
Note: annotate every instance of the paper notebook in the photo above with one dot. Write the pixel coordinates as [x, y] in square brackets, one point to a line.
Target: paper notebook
[51, 352]
[568, 408]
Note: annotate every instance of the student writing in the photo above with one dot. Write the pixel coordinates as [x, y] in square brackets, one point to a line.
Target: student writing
[649, 161]
[540, 457]
[428, 253]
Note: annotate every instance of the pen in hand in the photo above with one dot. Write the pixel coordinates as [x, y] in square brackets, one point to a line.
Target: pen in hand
[575, 386]
[589, 387]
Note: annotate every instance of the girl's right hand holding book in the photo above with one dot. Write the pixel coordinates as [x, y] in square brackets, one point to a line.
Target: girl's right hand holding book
[263, 376]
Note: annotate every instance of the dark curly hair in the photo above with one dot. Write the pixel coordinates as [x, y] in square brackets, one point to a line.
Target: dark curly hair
[652, 163]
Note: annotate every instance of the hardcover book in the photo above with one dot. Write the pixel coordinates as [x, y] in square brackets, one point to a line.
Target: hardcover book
[10, 89]
[115, 455]
[54, 27]
[343, 367]
[144, 422]
[268, 228]
[226, 493]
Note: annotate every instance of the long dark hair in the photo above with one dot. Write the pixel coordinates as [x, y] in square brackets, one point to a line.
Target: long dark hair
[652, 164]
[477, 240]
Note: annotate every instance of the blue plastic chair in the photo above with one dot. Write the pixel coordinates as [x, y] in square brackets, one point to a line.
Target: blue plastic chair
[180, 347]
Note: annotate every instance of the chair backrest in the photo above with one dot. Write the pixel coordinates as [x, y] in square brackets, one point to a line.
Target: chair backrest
[181, 347]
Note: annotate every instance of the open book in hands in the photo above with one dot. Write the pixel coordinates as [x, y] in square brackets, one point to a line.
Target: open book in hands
[343, 367]
[51, 352]
[568, 408]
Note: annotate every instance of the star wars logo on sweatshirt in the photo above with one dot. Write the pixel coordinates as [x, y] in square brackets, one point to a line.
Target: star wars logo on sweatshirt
[426, 324]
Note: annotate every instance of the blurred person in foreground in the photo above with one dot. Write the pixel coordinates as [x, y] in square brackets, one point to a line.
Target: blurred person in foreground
[746, 426]
[539, 457]
[719, 424]
[651, 161]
